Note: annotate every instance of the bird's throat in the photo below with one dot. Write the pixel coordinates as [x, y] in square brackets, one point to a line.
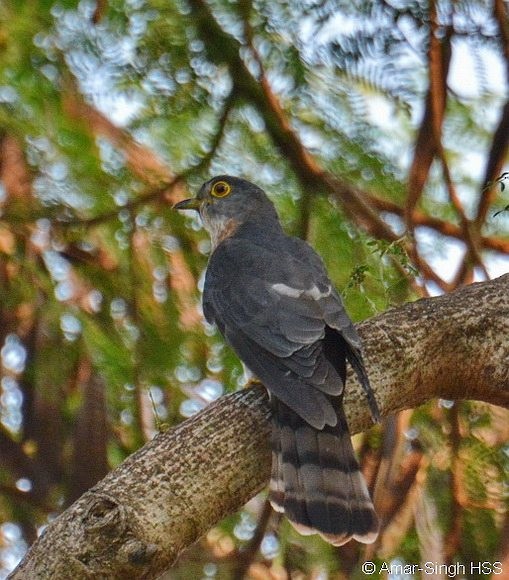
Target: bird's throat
[219, 228]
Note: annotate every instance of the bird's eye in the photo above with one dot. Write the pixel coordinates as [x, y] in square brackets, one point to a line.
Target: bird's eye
[220, 189]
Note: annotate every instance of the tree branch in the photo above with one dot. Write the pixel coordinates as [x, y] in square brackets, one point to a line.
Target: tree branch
[439, 57]
[143, 163]
[500, 141]
[441, 226]
[223, 48]
[135, 522]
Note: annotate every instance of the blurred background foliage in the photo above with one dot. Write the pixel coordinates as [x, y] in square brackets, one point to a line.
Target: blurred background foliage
[380, 130]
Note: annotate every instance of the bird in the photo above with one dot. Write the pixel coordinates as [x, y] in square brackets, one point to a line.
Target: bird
[271, 298]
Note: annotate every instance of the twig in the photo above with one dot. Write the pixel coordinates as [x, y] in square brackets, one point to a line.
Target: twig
[152, 194]
[133, 266]
[246, 556]
[452, 538]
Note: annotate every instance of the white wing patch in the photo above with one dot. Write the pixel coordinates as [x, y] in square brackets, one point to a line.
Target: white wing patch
[285, 290]
[313, 292]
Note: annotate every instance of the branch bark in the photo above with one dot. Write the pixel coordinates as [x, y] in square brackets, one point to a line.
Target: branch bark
[135, 522]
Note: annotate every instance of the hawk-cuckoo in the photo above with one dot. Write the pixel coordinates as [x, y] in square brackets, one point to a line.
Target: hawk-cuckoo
[271, 298]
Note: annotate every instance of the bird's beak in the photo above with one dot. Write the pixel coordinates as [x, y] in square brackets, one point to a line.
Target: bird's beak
[193, 203]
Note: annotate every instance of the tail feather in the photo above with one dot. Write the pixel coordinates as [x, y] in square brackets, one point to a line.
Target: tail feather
[316, 479]
[276, 486]
[294, 491]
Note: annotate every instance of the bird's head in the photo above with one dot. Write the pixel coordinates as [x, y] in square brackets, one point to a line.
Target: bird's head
[225, 203]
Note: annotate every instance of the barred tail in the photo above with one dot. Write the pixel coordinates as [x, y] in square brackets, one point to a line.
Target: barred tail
[316, 479]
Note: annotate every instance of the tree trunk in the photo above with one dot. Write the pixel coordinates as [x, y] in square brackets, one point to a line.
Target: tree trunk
[135, 522]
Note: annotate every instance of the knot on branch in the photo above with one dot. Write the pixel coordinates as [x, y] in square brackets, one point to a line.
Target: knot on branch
[138, 553]
[111, 533]
[104, 516]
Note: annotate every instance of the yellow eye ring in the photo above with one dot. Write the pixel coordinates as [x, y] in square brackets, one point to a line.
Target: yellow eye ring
[220, 189]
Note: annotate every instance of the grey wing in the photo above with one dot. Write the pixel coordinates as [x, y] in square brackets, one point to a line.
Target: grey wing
[274, 310]
[336, 318]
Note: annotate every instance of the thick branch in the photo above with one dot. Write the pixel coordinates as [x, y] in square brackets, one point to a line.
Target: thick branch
[135, 522]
